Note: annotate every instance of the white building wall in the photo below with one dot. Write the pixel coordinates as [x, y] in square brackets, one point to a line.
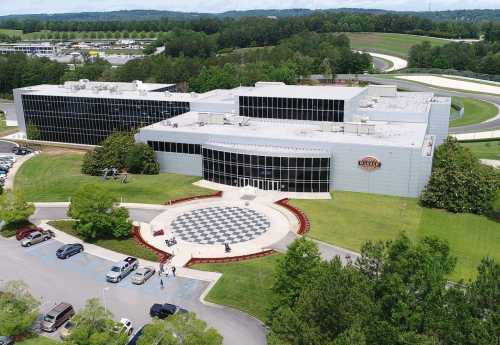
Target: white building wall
[19, 109]
[180, 163]
[403, 171]
[439, 119]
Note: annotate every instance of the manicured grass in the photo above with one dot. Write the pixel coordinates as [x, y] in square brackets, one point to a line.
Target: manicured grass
[55, 177]
[127, 246]
[389, 43]
[39, 340]
[485, 149]
[475, 111]
[244, 285]
[4, 129]
[350, 219]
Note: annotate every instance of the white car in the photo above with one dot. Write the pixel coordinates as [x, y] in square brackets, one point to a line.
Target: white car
[125, 326]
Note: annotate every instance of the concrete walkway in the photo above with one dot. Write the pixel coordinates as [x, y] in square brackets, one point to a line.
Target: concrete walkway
[477, 135]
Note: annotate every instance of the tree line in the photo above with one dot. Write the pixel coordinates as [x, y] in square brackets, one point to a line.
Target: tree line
[480, 57]
[245, 31]
[194, 58]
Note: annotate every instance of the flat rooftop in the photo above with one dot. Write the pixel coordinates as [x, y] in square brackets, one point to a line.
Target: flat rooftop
[302, 91]
[141, 91]
[398, 134]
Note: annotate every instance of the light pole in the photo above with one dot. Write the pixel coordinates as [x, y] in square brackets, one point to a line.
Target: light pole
[104, 298]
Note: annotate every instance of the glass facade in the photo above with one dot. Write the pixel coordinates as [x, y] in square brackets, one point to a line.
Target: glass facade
[289, 174]
[292, 108]
[161, 146]
[83, 120]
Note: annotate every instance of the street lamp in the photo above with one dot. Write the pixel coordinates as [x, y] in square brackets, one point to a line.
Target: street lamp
[104, 298]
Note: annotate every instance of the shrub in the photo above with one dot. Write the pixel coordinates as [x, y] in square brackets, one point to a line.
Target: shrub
[119, 151]
[141, 160]
[459, 182]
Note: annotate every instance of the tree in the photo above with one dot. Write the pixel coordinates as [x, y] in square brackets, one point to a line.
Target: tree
[294, 271]
[14, 209]
[459, 182]
[94, 326]
[18, 309]
[97, 216]
[180, 329]
[141, 160]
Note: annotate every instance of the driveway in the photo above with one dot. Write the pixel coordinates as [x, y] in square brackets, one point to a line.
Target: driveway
[6, 146]
[81, 277]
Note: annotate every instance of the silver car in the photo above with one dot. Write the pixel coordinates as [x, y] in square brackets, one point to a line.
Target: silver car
[142, 275]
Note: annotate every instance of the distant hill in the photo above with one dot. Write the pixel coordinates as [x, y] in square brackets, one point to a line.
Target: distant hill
[141, 15]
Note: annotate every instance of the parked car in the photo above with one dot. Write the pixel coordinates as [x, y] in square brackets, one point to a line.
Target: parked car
[121, 269]
[69, 250]
[136, 336]
[36, 237]
[57, 316]
[162, 311]
[66, 330]
[21, 151]
[142, 275]
[6, 340]
[25, 231]
[125, 326]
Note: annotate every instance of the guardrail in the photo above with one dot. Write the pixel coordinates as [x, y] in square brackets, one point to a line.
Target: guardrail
[162, 256]
[304, 224]
[196, 261]
[217, 194]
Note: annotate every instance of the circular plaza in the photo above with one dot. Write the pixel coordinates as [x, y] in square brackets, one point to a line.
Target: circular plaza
[217, 228]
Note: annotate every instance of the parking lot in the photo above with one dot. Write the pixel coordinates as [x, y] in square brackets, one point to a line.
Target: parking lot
[82, 276]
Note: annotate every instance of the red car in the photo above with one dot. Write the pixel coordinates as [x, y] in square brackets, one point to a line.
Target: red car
[23, 232]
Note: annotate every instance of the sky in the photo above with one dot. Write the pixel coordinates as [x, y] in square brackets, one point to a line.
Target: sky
[61, 6]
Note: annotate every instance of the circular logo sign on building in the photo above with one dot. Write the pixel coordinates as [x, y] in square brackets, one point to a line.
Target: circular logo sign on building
[369, 163]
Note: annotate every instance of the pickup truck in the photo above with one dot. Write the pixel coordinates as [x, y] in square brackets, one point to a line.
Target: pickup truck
[121, 269]
[37, 237]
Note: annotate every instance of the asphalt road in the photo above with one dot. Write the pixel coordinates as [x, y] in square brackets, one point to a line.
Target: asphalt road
[380, 64]
[81, 277]
[6, 146]
[407, 85]
[60, 212]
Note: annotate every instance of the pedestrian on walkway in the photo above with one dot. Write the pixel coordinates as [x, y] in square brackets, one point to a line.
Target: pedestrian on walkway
[173, 271]
[161, 283]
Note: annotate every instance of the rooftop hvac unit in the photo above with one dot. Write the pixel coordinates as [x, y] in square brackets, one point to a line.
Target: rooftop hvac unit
[168, 94]
[216, 119]
[203, 117]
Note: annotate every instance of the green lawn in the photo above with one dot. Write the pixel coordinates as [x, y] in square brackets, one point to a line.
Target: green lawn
[39, 341]
[485, 149]
[55, 177]
[127, 247]
[350, 219]
[476, 111]
[4, 129]
[389, 43]
[245, 285]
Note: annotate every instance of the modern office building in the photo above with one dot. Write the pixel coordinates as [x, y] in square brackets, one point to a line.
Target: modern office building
[272, 136]
[88, 112]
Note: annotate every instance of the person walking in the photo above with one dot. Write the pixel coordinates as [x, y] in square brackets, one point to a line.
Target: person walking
[161, 283]
[173, 271]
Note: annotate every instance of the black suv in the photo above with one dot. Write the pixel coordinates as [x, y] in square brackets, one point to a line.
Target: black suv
[21, 151]
[162, 311]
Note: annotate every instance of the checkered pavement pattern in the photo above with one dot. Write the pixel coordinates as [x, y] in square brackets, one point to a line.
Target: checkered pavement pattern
[219, 225]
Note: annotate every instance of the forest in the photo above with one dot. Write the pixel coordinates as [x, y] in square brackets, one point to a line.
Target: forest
[245, 31]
